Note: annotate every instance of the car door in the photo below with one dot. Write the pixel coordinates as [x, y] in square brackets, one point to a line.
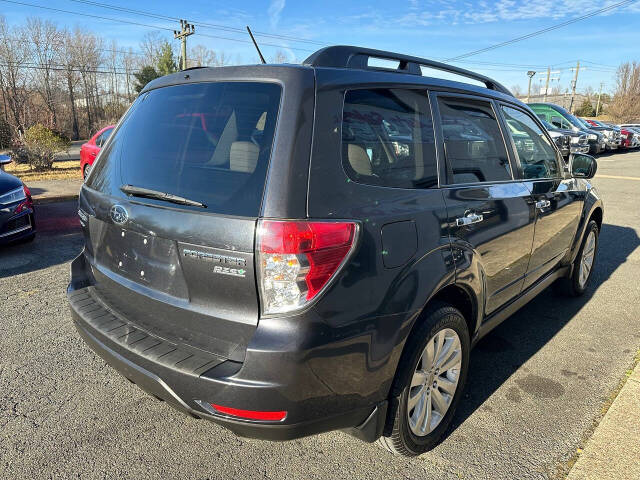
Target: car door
[93, 148]
[558, 199]
[490, 213]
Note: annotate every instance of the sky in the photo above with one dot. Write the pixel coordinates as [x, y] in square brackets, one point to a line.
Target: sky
[433, 29]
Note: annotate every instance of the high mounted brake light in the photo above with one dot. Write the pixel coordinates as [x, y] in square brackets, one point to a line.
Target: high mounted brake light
[296, 260]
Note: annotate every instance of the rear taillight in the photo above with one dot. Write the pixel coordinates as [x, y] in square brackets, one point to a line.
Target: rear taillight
[28, 202]
[297, 259]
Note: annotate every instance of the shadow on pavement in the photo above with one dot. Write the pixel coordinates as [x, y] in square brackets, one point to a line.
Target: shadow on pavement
[503, 351]
[58, 240]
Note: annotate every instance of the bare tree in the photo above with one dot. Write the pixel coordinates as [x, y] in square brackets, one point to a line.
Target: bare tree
[625, 106]
[14, 55]
[201, 56]
[67, 56]
[151, 45]
[516, 90]
[44, 37]
[113, 63]
[129, 62]
[88, 59]
[279, 57]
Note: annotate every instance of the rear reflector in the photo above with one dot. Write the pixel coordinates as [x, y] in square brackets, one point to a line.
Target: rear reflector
[296, 260]
[250, 414]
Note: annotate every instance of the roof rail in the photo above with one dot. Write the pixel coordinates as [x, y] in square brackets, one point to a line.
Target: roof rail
[344, 56]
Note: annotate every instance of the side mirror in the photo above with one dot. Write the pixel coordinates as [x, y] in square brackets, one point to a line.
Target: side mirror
[583, 166]
[4, 159]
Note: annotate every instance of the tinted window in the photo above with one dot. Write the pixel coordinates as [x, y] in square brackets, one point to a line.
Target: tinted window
[387, 138]
[208, 142]
[537, 156]
[473, 144]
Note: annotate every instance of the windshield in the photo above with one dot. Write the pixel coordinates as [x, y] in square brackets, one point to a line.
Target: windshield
[207, 142]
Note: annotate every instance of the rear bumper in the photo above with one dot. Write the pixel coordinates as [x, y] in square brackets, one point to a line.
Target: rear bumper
[270, 379]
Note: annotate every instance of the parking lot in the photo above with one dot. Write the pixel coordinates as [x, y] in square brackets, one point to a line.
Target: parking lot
[537, 386]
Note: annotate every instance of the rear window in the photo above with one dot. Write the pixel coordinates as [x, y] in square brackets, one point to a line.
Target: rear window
[208, 142]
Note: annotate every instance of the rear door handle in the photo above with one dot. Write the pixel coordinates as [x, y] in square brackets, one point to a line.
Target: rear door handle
[469, 219]
[543, 204]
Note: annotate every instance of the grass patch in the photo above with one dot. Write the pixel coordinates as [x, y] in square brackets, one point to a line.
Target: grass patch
[61, 170]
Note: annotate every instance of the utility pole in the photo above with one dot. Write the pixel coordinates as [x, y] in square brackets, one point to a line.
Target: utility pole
[573, 86]
[546, 86]
[530, 73]
[599, 97]
[186, 29]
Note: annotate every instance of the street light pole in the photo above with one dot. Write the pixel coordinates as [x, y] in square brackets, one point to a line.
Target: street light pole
[531, 73]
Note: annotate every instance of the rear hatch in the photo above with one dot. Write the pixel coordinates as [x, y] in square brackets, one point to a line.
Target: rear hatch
[170, 211]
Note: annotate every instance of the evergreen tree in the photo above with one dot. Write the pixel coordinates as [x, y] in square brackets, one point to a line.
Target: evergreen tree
[144, 76]
[166, 60]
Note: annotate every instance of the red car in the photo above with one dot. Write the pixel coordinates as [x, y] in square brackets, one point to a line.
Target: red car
[627, 138]
[89, 150]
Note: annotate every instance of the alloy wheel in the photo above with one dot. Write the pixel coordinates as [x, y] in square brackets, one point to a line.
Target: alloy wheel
[434, 382]
[586, 262]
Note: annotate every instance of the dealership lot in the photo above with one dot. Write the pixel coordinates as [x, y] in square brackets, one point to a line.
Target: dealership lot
[537, 383]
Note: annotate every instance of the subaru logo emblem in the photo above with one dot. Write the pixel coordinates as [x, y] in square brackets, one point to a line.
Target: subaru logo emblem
[119, 214]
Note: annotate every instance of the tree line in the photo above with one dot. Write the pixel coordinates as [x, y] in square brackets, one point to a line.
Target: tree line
[74, 82]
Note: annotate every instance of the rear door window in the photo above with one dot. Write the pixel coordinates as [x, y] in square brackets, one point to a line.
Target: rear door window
[388, 138]
[208, 142]
[473, 143]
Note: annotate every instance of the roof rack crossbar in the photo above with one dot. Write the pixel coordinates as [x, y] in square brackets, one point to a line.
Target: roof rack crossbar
[344, 56]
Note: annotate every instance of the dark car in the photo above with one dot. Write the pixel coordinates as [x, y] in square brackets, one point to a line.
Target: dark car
[611, 133]
[325, 253]
[17, 222]
[561, 118]
[578, 142]
[564, 139]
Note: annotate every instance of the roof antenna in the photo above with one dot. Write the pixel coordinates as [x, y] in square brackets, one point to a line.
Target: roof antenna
[256, 45]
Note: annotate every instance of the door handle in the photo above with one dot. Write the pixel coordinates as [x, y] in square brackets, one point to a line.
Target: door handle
[468, 219]
[543, 204]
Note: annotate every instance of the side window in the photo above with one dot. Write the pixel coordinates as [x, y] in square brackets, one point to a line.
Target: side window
[105, 136]
[388, 139]
[474, 146]
[537, 156]
[99, 140]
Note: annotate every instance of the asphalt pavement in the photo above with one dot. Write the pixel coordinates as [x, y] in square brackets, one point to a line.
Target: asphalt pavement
[536, 389]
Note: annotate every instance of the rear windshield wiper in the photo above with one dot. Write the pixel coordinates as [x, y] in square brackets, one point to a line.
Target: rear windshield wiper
[167, 197]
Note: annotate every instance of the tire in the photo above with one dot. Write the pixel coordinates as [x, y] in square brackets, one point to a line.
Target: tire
[86, 171]
[402, 436]
[576, 284]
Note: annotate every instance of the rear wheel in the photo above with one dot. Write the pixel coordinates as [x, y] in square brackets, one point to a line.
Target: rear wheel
[429, 382]
[576, 284]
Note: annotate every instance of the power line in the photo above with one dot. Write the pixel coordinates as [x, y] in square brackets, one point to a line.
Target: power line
[64, 69]
[140, 24]
[540, 32]
[213, 26]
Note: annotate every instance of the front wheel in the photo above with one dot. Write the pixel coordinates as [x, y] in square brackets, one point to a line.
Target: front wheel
[429, 382]
[86, 172]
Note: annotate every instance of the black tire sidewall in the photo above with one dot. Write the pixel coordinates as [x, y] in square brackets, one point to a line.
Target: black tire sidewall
[445, 317]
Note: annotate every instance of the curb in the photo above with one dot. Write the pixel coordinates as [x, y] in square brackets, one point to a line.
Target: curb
[612, 450]
[59, 198]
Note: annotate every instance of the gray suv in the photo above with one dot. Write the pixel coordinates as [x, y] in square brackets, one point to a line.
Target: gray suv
[291, 249]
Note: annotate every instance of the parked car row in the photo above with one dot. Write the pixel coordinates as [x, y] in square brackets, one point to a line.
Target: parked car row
[580, 135]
